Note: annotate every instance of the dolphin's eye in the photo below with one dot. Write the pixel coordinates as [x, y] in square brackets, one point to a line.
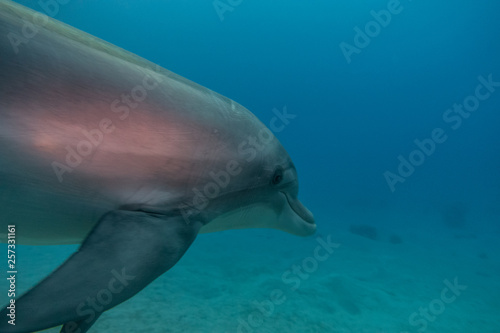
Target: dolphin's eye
[277, 177]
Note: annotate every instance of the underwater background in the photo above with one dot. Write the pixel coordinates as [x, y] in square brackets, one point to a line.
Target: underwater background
[394, 129]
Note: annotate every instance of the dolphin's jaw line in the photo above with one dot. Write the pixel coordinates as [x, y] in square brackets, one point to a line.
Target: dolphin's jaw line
[294, 217]
[299, 209]
[255, 215]
[286, 213]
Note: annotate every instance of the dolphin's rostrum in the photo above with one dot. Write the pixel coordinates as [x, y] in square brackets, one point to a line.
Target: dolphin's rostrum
[103, 148]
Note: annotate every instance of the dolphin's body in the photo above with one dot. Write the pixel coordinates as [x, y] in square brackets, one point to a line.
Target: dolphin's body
[103, 148]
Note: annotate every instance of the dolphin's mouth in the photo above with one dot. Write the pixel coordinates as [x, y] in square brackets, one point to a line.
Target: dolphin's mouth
[299, 208]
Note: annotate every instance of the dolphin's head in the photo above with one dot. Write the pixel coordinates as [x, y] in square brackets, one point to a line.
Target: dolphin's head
[281, 193]
[264, 192]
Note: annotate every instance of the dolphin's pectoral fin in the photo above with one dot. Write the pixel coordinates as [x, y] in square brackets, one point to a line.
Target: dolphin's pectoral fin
[81, 326]
[124, 252]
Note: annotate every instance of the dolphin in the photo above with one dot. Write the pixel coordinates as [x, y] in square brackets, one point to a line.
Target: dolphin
[103, 148]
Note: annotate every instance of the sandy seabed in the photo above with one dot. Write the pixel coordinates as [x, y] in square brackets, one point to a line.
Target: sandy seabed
[267, 281]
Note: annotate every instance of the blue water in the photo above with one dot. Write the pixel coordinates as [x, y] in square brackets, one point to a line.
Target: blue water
[403, 235]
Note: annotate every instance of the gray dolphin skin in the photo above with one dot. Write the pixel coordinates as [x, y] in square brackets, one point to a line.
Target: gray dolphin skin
[102, 148]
